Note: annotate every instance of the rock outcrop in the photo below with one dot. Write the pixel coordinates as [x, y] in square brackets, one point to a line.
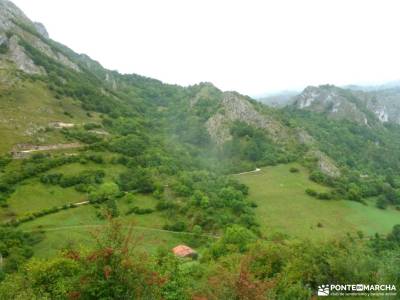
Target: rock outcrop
[13, 22]
[324, 163]
[8, 13]
[363, 107]
[41, 29]
[335, 102]
[21, 59]
[3, 40]
[235, 107]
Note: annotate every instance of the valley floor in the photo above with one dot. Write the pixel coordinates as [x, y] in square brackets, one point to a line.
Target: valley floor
[283, 207]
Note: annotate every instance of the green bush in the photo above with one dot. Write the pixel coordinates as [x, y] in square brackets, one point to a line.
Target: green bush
[311, 192]
[139, 211]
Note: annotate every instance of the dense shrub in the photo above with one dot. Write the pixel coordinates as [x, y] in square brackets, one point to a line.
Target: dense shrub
[138, 179]
[311, 192]
[139, 211]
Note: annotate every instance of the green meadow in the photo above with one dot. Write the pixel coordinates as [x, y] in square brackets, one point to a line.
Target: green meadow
[77, 227]
[27, 108]
[284, 207]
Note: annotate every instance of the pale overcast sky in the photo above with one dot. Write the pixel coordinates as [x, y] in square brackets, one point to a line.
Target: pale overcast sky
[250, 46]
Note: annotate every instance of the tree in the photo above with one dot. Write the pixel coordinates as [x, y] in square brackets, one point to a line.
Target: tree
[395, 234]
[139, 179]
[235, 239]
[104, 192]
[381, 202]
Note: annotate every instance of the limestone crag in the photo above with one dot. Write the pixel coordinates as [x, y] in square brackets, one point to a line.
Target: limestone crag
[237, 108]
[41, 29]
[363, 107]
[14, 25]
[21, 59]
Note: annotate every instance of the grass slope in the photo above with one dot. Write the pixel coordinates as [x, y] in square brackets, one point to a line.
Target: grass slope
[283, 206]
[76, 227]
[26, 109]
[33, 196]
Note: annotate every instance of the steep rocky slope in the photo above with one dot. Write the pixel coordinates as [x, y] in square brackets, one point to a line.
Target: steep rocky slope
[237, 108]
[14, 25]
[363, 107]
[28, 105]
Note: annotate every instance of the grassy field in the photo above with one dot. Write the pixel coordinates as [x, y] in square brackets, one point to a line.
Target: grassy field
[27, 107]
[283, 206]
[33, 196]
[75, 227]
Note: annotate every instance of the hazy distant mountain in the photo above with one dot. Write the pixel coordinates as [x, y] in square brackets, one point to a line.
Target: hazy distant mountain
[374, 87]
[280, 99]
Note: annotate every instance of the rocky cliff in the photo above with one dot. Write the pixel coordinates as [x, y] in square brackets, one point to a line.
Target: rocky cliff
[236, 107]
[363, 107]
[14, 27]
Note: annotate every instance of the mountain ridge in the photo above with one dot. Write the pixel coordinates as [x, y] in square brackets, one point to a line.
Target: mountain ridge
[212, 112]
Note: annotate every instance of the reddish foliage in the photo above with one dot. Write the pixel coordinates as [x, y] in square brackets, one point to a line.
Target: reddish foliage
[107, 272]
[249, 288]
[241, 283]
[74, 255]
[93, 256]
[74, 295]
[156, 279]
[108, 252]
[199, 298]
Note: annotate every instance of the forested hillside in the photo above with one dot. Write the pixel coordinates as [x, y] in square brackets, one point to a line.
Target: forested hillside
[102, 174]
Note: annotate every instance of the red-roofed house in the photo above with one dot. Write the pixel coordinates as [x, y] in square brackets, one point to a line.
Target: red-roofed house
[184, 251]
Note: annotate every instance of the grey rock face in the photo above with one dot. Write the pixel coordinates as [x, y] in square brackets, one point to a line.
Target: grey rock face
[218, 129]
[10, 18]
[8, 12]
[41, 29]
[324, 163]
[21, 60]
[327, 166]
[304, 138]
[3, 40]
[237, 108]
[334, 101]
[66, 62]
[359, 106]
[385, 104]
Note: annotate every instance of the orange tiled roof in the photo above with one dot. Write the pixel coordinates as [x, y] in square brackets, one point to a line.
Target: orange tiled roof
[183, 251]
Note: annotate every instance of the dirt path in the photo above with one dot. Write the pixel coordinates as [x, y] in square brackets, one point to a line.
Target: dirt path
[60, 228]
[99, 225]
[254, 171]
[21, 151]
[81, 203]
[51, 147]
